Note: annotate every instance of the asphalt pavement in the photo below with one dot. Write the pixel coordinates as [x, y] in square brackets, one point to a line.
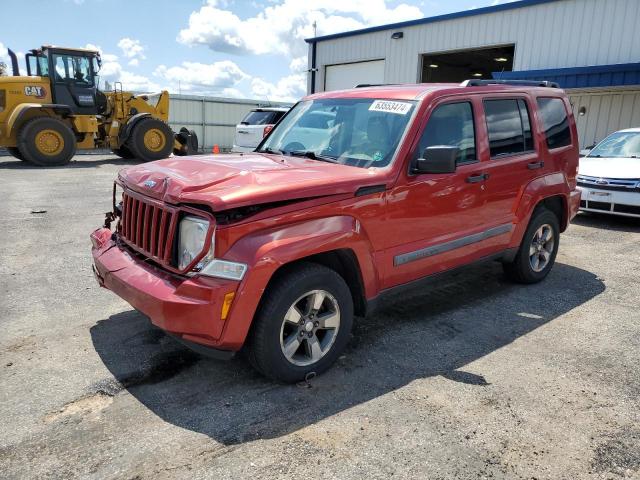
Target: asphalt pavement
[474, 377]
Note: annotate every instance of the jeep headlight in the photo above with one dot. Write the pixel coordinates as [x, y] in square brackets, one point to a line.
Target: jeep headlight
[192, 236]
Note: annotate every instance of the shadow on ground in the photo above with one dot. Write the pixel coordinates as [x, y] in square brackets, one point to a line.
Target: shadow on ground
[10, 163]
[465, 317]
[607, 222]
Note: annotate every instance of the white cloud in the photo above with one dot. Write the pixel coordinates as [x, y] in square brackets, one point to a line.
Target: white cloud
[287, 89]
[299, 64]
[6, 59]
[194, 77]
[4, 55]
[133, 50]
[282, 27]
[112, 71]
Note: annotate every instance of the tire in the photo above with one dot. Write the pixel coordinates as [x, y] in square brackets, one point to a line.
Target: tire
[14, 152]
[290, 299]
[123, 152]
[188, 138]
[536, 256]
[46, 142]
[193, 142]
[151, 139]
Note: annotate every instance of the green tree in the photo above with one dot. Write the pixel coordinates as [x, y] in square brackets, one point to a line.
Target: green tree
[3, 69]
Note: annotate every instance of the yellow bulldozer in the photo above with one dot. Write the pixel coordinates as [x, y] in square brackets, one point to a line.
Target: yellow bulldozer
[58, 108]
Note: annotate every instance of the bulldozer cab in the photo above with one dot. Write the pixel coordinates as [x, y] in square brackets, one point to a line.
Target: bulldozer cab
[72, 75]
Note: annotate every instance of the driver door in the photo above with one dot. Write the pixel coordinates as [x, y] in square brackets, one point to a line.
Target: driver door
[73, 83]
[438, 220]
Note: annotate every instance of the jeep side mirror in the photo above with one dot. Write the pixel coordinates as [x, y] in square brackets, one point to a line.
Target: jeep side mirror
[437, 159]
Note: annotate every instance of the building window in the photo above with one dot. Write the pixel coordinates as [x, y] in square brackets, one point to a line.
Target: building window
[555, 122]
[509, 127]
[451, 124]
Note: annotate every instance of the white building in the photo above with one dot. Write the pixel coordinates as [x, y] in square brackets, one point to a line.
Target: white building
[590, 47]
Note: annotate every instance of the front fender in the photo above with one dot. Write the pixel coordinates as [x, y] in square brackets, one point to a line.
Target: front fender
[128, 127]
[552, 185]
[268, 250]
[25, 111]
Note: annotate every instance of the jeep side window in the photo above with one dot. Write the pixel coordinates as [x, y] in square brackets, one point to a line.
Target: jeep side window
[451, 124]
[509, 127]
[555, 122]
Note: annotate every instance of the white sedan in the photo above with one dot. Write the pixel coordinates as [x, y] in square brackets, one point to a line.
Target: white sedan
[609, 175]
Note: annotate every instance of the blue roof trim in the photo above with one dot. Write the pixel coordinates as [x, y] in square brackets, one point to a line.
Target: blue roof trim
[439, 18]
[619, 74]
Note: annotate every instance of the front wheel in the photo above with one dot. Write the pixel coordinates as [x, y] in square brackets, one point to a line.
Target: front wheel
[538, 250]
[151, 139]
[46, 142]
[302, 325]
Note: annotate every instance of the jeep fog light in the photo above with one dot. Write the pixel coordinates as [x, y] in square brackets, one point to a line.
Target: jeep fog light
[191, 239]
[224, 269]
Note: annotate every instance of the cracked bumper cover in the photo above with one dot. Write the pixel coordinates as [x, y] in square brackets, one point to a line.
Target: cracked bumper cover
[187, 308]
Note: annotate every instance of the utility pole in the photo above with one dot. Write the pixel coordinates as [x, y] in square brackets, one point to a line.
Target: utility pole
[315, 28]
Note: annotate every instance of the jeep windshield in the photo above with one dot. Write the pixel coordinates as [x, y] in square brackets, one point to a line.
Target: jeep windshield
[361, 132]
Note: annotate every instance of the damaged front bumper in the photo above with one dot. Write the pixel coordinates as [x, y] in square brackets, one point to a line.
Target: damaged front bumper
[189, 308]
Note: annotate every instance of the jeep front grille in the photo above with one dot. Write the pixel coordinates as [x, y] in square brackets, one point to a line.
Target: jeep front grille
[149, 227]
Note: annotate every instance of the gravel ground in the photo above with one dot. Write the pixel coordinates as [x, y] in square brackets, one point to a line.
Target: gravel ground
[474, 378]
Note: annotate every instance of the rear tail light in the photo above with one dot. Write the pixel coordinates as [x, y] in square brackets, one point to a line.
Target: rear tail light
[267, 130]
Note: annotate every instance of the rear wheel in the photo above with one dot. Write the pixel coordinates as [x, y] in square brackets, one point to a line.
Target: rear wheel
[302, 325]
[538, 250]
[15, 153]
[151, 139]
[46, 142]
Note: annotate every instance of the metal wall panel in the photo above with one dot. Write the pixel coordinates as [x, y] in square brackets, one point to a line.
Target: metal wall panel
[606, 112]
[565, 33]
[213, 119]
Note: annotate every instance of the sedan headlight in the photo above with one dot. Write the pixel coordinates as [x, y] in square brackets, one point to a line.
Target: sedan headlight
[192, 236]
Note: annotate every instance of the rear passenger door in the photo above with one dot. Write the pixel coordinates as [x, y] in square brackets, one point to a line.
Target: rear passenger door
[513, 157]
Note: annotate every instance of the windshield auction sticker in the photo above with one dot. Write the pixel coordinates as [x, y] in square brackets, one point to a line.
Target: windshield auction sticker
[388, 106]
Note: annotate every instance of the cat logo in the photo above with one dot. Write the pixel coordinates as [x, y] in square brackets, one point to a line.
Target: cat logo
[35, 91]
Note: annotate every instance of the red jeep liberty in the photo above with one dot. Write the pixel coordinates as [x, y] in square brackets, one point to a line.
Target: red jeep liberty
[352, 195]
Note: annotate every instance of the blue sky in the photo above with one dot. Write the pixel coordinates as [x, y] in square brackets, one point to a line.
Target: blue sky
[251, 49]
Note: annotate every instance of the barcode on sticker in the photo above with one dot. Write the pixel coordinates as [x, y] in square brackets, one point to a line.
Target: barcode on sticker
[388, 106]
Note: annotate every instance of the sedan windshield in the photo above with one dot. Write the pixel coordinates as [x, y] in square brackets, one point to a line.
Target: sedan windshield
[618, 145]
[361, 132]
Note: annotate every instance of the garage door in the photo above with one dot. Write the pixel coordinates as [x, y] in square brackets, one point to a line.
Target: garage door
[348, 75]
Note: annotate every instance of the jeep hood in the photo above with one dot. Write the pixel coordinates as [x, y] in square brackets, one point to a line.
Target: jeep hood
[231, 181]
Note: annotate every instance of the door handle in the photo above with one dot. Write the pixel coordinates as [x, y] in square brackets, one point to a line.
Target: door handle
[534, 165]
[477, 178]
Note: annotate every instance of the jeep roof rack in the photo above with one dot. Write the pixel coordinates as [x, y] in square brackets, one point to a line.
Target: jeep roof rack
[365, 85]
[520, 83]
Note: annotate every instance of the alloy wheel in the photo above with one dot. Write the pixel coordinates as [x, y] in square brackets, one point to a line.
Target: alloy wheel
[310, 328]
[541, 248]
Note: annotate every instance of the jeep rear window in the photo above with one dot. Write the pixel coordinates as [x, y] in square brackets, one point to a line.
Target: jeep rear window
[258, 117]
[509, 127]
[361, 132]
[555, 122]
